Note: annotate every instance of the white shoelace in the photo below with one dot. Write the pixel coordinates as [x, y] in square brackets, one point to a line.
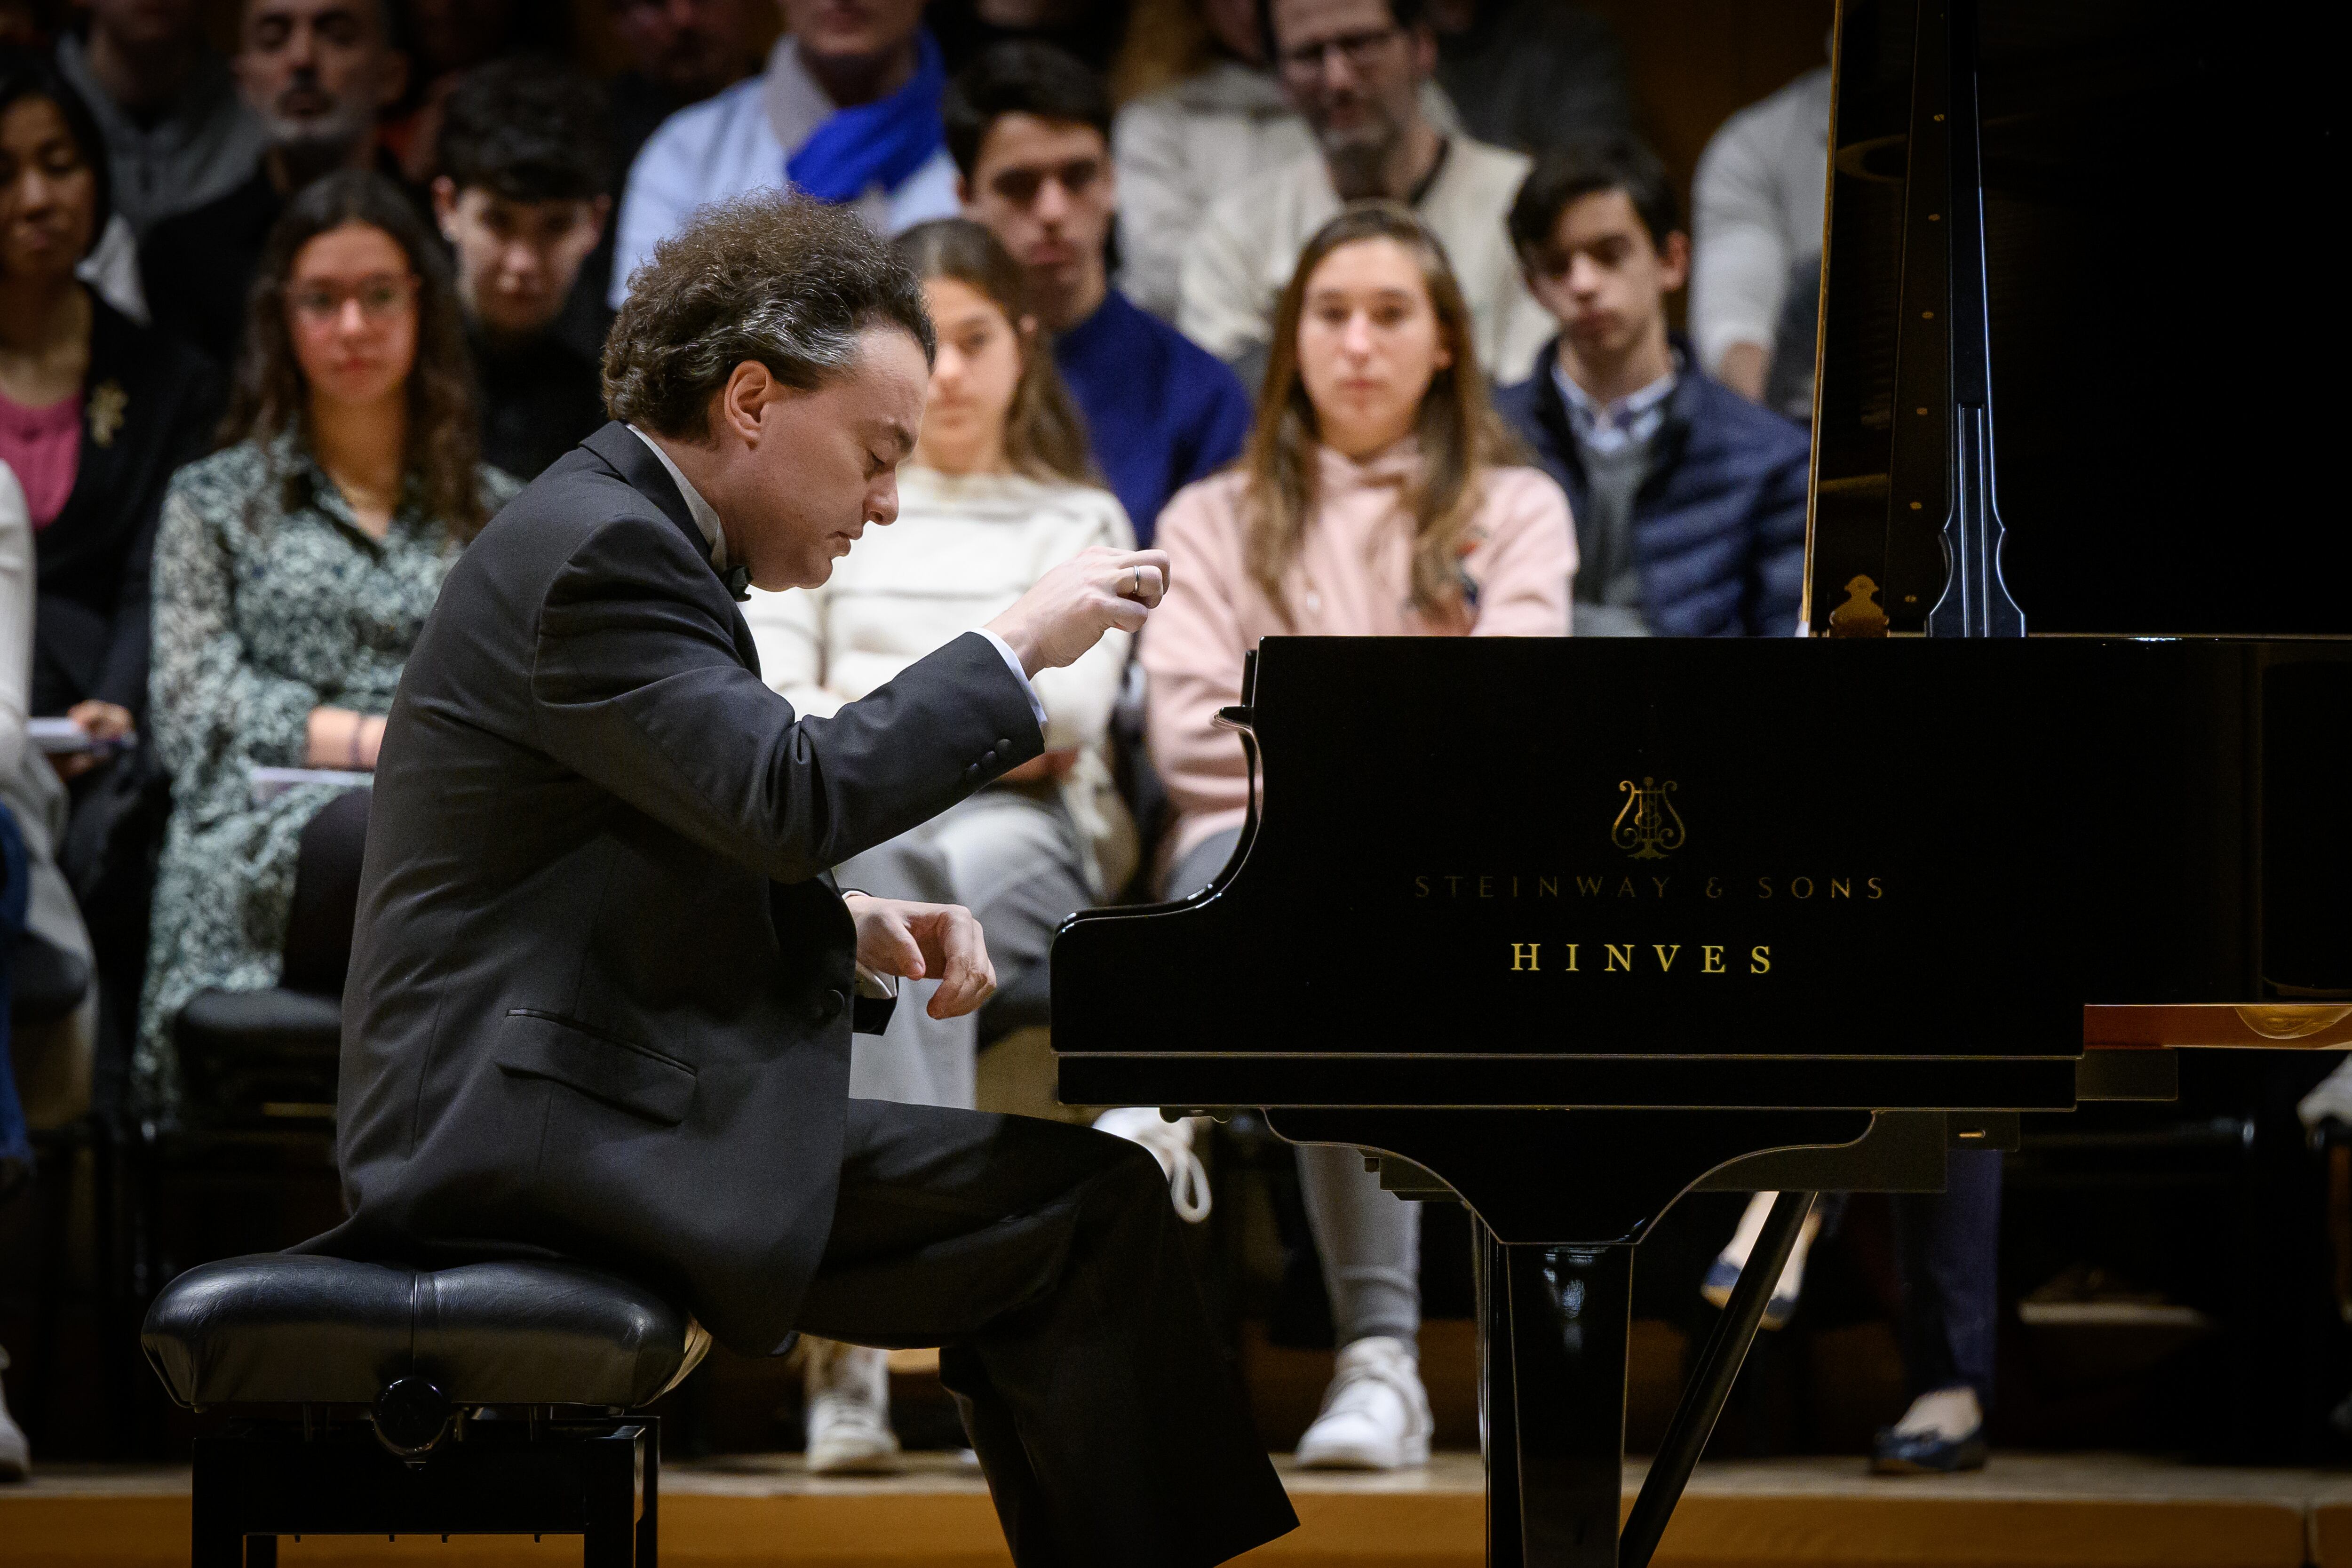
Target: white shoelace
[1170, 1143]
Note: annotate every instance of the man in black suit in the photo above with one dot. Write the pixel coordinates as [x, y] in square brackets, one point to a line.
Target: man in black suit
[599, 1004]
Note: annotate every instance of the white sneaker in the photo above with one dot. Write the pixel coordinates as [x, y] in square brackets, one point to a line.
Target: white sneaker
[1725, 1272]
[1375, 1415]
[2332, 1100]
[848, 1389]
[16, 1453]
[1170, 1143]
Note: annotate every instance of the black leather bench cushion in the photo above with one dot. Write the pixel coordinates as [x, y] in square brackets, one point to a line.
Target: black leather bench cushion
[280, 1329]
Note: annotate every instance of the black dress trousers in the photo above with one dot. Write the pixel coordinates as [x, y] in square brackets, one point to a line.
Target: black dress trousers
[1045, 1260]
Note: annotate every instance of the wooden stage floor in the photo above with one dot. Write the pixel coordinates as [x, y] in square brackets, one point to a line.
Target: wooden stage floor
[2025, 1511]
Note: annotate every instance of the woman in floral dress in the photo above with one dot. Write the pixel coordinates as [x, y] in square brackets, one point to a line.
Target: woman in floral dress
[294, 571]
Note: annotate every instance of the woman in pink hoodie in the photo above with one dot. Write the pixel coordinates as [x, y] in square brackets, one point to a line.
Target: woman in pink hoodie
[1377, 498]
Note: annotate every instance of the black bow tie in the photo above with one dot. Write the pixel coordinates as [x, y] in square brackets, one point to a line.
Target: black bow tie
[739, 583]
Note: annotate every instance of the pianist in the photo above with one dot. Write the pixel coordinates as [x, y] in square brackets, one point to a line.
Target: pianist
[1373, 502]
[599, 1004]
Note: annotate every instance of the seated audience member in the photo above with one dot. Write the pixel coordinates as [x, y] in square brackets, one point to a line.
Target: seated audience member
[1373, 502]
[998, 491]
[293, 572]
[1089, 30]
[1756, 204]
[680, 52]
[1689, 500]
[1354, 68]
[522, 201]
[316, 73]
[96, 412]
[847, 112]
[1030, 128]
[448, 39]
[1533, 75]
[1200, 114]
[177, 135]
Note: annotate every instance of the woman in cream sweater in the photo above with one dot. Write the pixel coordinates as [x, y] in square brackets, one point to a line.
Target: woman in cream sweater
[1376, 500]
[999, 490]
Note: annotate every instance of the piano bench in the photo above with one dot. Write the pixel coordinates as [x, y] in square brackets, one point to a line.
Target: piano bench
[490, 1398]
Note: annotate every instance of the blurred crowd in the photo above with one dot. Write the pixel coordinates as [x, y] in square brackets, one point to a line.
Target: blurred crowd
[1360, 309]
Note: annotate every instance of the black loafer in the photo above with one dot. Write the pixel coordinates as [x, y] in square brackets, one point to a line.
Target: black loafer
[1925, 1453]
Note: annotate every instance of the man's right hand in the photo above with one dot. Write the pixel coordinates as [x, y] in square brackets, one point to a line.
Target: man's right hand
[1067, 613]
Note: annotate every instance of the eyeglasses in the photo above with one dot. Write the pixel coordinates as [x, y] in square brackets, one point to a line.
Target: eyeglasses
[380, 298]
[1359, 50]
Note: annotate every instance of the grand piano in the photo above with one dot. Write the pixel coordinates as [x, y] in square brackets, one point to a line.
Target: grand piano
[2053, 783]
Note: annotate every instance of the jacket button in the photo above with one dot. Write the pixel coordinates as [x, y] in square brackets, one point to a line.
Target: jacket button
[988, 759]
[1003, 745]
[973, 772]
[826, 1011]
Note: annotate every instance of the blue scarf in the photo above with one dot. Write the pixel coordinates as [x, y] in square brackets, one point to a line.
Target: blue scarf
[878, 143]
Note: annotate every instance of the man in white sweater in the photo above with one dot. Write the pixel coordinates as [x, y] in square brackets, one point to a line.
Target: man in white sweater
[1757, 202]
[1355, 69]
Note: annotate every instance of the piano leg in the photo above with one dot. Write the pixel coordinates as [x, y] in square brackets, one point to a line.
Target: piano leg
[1498, 1418]
[1570, 1312]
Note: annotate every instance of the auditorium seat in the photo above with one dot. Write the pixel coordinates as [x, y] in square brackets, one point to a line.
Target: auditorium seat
[364, 1398]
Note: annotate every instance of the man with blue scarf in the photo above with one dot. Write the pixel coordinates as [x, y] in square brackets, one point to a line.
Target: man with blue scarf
[847, 110]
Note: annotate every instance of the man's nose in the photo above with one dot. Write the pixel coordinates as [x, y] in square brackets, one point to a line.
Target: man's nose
[302, 49]
[682, 14]
[1052, 200]
[519, 258]
[1584, 275]
[1338, 76]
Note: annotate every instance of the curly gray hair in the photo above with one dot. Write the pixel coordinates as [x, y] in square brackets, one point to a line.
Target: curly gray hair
[783, 280]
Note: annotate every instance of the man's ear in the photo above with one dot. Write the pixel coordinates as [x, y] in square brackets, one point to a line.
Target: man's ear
[444, 207]
[963, 192]
[1673, 261]
[738, 405]
[599, 210]
[1424, 52]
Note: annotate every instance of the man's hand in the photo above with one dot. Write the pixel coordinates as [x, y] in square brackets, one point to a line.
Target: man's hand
[1070, 608]
[921, 941]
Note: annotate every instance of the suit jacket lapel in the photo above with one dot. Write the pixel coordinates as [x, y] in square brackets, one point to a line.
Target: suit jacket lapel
[636, 463]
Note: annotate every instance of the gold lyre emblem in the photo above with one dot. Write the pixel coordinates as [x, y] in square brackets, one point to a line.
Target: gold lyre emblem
[1648, 828]
[108, 403]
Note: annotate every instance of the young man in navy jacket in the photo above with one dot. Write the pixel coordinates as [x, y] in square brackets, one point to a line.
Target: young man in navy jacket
[1689, 500]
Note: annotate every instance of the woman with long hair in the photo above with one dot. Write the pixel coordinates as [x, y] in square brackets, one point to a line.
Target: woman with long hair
[96, 412]
[1379, 497]
[294, 570]
[999, 490]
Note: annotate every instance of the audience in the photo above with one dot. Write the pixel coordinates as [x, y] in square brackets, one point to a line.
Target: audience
[680, 52]
[1534, 75]
[1030, 129]
[1089, 30]
[522, 201]
[1689, 500]
[316, 74]
[448, 39]
[96, 411]
[847, 110]
[15, 688]
[1202, 115]
[293, 572]
[1374, 500]
[176, 133]
[998, 492]
[1354, 69]
[1758, 204]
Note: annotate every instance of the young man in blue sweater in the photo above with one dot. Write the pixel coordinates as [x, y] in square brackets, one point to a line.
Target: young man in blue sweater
[1029, 128]
[1689, 500]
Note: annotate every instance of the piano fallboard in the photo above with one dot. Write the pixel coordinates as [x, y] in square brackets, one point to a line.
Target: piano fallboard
[1882, 873]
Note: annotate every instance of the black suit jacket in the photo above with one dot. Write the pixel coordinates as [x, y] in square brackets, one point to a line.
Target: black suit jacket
[153, 400]
[599, 1004]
